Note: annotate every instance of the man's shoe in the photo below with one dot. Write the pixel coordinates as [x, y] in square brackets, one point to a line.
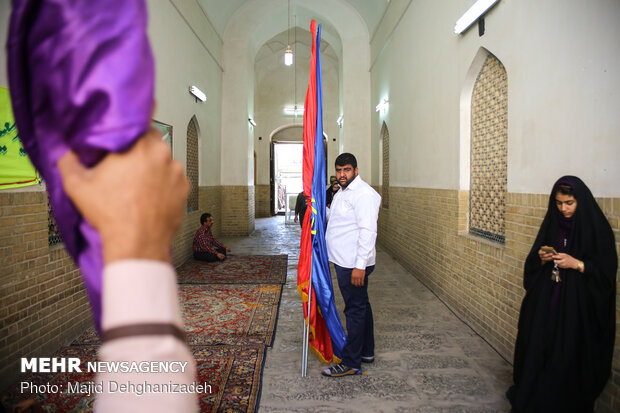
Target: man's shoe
[339, 370]
[368, 359]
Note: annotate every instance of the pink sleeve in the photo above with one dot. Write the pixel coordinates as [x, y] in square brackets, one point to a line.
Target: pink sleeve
[138, 292]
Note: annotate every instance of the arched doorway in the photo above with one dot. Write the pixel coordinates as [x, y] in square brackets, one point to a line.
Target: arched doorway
[286, 173]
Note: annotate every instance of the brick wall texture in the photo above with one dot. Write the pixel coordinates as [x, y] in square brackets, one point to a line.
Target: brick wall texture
[43, 305]
[238, 211]
[425, 230]
[263, 209]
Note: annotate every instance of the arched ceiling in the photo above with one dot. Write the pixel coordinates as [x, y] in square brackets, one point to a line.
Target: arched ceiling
[297, 37]
[220, 11]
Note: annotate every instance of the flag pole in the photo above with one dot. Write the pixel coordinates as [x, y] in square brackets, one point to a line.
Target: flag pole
[304, 352]
[304, 360]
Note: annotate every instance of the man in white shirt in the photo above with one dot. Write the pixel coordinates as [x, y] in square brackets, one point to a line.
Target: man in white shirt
[351, 235]
[135, 200]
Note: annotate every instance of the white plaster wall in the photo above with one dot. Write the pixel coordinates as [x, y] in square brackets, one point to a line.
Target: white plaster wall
[237, 86]
[184, 58]
[562, 61]
[275, 90]
[250, 27]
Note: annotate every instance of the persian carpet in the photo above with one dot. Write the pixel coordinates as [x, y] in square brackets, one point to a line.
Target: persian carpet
[229, 314]
[88, 338]
[57, 399]
[222, 314]
[234, 374]
[231, 374]
[236, 269]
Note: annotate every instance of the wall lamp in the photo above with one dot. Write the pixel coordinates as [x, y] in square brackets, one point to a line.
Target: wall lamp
[251, 121]
[340, 120]
[382, 106]
[472, 14]
[199, 94]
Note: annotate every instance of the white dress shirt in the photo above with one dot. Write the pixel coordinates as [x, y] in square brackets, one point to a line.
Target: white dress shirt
[143, 292]
[352, 227]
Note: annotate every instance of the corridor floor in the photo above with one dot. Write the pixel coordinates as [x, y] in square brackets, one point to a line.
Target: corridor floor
[427, 360]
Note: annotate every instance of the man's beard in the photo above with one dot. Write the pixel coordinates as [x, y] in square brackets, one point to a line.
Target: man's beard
[347, 182]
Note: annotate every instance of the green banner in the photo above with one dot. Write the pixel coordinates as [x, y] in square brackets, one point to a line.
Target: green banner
[15, 168]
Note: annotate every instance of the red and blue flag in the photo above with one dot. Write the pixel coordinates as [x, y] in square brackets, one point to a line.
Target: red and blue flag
[327, 336]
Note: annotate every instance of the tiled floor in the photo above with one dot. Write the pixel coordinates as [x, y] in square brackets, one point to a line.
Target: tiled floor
[427, 360]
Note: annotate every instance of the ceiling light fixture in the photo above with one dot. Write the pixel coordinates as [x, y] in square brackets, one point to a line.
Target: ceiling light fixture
[288, 53]
[293, 110]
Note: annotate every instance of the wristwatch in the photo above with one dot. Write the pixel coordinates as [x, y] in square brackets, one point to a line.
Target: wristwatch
[580, 266]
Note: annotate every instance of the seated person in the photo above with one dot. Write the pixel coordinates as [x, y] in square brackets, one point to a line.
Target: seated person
[206, 247]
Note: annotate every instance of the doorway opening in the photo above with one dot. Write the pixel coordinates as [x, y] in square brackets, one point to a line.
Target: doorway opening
[287, 173]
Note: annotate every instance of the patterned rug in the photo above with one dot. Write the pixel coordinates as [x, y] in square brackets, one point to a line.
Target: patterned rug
[222, 314]
[55, 398]
[230, 314]
[89, 338]
[242, 269]
[232, 375]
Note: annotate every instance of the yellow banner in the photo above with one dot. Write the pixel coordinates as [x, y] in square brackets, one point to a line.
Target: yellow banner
[15, 167]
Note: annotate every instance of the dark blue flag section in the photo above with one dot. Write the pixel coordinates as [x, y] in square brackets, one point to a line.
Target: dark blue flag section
[321, 278]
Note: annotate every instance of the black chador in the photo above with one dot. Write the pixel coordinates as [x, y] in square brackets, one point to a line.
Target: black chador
[565, 343]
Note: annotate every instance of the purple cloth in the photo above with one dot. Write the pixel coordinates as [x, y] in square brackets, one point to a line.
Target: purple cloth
[81, 77]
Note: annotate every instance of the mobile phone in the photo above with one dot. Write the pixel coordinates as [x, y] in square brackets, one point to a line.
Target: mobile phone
[548, 249]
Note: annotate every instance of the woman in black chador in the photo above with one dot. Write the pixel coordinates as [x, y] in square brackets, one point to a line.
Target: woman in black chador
[567, 322]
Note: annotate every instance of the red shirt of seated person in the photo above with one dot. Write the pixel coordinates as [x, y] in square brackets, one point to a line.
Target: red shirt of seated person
[206, 247]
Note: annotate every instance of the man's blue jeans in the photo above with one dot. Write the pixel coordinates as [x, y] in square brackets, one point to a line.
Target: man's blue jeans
[358, 313]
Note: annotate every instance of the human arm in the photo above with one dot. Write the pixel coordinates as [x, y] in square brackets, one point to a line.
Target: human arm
[366, 210]
[138, 294]
[357, 277]
[366, 213]
[218, 244]
[567, 261]
[126, 197]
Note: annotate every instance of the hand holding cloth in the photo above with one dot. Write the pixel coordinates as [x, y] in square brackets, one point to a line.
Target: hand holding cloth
[81, 78]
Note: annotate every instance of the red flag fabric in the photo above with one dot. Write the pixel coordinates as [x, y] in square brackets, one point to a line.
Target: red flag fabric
[319, 340]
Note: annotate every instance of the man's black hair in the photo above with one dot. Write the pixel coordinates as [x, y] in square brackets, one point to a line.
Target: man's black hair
[346, 159]
[203, 218]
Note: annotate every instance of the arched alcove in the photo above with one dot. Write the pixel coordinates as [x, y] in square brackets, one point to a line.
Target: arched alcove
[484, 143]
[192, 164]
[385, 179]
